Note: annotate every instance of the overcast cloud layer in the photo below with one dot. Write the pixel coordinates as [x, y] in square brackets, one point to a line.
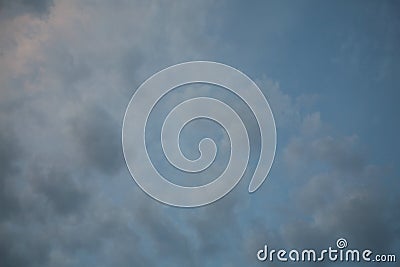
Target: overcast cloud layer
[69, 68]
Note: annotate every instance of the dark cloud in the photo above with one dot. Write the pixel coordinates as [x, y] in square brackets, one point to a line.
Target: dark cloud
[18, 250]
[61, 144]
[17, 7]
[98, 137]
[64, 194]
[10, 152]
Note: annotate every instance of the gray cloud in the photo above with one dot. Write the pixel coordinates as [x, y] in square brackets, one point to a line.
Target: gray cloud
[60, 190]
[334, 192]
[61, 154]
[67, 72]
[9, 153]
[14, 8]
[98, 138]
[339, 194]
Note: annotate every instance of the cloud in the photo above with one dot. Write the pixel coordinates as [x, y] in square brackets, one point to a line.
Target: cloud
[9, 153]
[98, 139]
[66, 79]
[18, 7]
[338, 193]
[67, 72]
[333, 205]
[333, 189]
[343, 153]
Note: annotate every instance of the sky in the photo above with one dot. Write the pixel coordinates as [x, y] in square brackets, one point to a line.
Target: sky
[329, 70]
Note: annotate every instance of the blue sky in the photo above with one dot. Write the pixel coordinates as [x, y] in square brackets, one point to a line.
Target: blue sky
[68, 69]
